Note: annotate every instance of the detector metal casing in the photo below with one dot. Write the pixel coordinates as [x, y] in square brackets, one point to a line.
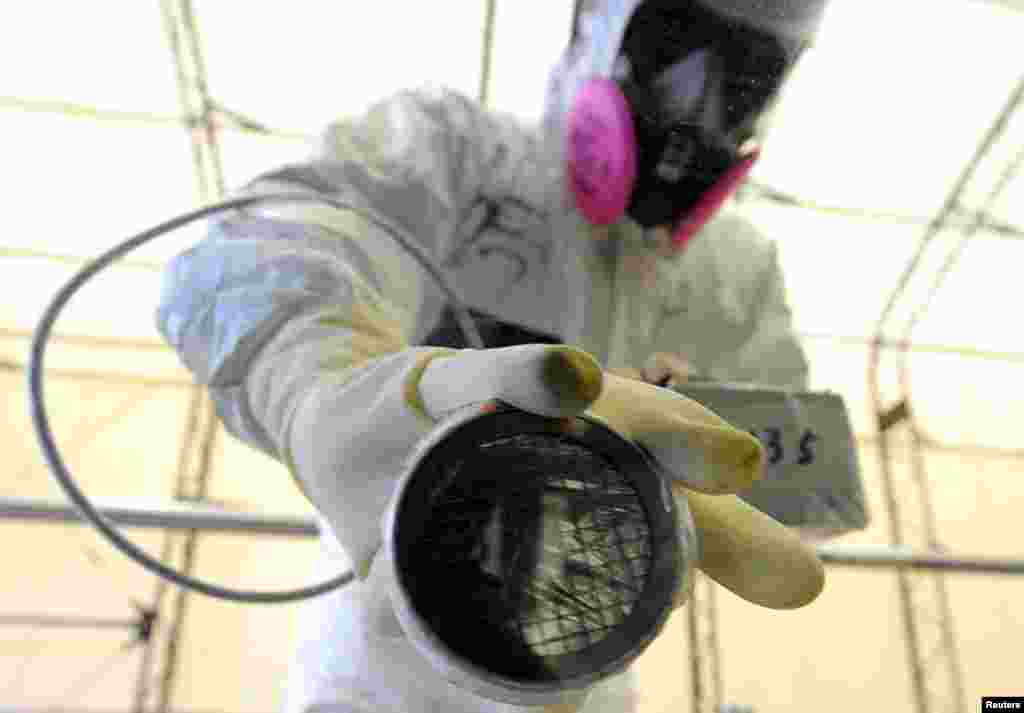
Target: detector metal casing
[563, 675]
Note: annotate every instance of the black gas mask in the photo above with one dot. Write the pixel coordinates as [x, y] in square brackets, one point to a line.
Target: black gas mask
[668, 138]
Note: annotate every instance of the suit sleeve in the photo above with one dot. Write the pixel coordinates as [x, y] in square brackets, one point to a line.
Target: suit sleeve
[275, 296]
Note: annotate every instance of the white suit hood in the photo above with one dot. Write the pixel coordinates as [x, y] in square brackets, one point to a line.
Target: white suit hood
[601, 26]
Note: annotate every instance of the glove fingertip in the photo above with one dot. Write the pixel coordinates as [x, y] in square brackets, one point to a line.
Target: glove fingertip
[751, 456]
[741, 457]
[573, 375]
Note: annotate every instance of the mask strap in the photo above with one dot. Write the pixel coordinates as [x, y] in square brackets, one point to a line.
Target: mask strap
[713, 199]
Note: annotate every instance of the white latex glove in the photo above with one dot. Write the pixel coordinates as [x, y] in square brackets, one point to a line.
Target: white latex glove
[350, 435]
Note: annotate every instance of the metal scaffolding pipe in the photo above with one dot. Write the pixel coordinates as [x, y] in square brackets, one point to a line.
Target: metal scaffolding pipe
[162, 515]
[174, 516]
[905, 558]
[47, 621]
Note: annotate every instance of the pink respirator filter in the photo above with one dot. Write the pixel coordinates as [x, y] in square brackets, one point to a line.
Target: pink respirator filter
[601, 152]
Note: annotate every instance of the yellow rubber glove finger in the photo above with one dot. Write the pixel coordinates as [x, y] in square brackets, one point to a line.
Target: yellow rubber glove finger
[740, 547]
[692, 443]
[751, 554]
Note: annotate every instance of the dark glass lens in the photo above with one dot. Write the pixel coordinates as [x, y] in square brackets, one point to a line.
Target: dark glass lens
[745, 66]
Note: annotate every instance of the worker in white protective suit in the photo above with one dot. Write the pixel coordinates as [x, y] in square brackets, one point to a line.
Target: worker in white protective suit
[596, 254]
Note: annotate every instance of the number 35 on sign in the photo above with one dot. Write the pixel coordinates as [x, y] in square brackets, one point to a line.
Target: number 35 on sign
[801, 452]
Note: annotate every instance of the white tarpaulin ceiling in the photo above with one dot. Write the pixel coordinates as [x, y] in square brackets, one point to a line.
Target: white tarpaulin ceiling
[878, 123]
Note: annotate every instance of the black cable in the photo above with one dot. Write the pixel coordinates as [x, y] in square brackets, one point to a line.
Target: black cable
[41, 422]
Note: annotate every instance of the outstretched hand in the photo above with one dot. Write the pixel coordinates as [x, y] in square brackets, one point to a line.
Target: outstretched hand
[705, 458]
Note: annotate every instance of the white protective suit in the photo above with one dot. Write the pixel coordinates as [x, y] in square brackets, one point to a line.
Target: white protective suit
[266, 293]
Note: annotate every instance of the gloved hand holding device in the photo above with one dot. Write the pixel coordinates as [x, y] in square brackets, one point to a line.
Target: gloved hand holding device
[349, 466]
